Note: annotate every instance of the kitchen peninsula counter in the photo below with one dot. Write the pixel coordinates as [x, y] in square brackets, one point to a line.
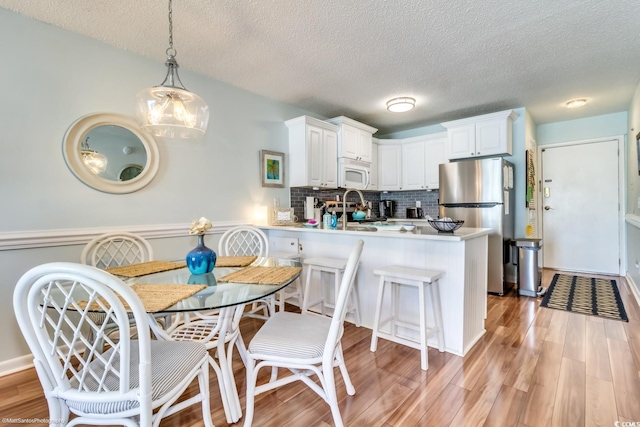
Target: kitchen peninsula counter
[462, 256]
[424, 232]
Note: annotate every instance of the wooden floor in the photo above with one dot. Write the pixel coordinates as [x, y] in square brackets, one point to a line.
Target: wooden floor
[533, 367]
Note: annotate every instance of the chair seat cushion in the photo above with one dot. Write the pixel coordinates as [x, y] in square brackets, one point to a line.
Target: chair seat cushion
[288, 334]
[170, 363]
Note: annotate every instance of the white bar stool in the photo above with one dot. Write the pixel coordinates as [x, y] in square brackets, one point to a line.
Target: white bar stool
[294, 290]
[396, 276]
[328, 266]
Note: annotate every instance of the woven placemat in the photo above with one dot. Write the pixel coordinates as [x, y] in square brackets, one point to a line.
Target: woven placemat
[235, 261]
[155, 297]
[262, 275]
[144, 268]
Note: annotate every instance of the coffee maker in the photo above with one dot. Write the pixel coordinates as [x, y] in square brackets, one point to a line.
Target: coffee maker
[387, 208]
[415, 213]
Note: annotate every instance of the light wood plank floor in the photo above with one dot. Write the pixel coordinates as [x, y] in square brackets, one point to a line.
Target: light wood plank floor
[533, 367]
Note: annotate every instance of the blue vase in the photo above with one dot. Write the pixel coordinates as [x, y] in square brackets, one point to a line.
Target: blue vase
[201, 259]
[203, 279]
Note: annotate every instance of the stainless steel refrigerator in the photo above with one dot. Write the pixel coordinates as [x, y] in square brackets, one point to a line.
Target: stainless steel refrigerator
[480, 192]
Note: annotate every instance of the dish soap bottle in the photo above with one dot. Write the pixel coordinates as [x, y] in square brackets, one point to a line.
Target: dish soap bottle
[334, 220]
[326, 220]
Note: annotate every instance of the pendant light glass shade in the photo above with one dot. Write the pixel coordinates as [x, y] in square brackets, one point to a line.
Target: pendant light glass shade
[170, 110]
[96, 162]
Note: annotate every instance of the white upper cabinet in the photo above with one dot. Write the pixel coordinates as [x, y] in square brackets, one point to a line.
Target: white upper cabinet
[487, 135]
[373, 182]
[313, 153]
[354, 139]
[389, 166]
[421, 157]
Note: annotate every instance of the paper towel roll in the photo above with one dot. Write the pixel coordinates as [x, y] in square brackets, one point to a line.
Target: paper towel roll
[308, 207]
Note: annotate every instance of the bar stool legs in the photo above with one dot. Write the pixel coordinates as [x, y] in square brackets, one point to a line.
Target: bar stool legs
[328, 266]
[397, 276]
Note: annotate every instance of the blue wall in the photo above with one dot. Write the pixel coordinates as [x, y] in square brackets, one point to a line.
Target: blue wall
[580, 129]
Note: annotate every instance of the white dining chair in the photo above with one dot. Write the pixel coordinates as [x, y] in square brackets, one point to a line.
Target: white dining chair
[134, 382]
[306, 344]
[244, 240]
[116, 249]
[218, 331]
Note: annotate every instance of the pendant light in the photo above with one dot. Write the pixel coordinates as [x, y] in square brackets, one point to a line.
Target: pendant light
[96, 162]
[170, 110]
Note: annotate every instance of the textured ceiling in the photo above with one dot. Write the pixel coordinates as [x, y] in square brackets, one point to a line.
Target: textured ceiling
[458, 58]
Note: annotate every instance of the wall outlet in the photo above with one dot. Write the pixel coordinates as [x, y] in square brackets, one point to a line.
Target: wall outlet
[419, 203]
[638, 202]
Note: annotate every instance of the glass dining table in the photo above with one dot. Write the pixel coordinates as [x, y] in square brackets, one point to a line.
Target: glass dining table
[219, 306]
[218, 294]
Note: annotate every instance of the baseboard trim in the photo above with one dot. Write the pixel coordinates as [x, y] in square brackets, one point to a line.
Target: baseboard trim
[634, 288]
[11, 366]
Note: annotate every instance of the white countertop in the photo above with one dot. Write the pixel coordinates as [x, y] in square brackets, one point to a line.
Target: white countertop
[420, 232]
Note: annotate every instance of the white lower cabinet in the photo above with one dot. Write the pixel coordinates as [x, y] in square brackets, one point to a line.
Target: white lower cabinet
[313, 153]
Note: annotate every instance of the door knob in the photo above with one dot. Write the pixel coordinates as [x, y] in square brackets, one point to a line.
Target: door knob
[546, 208]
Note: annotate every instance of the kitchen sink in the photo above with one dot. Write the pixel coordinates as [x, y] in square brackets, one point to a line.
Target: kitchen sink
[361, 228]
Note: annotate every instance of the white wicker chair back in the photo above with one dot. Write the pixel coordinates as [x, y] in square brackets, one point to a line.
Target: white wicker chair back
[116, 249]
[53, 303]
[244, 240]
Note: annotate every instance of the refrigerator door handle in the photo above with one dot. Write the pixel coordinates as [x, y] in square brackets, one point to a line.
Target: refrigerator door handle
[469, 205]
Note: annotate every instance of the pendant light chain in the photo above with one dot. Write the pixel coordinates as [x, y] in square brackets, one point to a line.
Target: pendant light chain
[170, 50]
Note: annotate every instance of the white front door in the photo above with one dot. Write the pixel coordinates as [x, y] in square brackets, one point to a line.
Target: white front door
[580, 207]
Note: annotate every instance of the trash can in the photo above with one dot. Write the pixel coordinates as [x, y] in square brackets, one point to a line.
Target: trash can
[527, 261]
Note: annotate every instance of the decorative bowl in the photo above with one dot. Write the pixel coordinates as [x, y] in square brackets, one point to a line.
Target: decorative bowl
[445, 225]
[408, 227]
[357, 215]
[310, 224]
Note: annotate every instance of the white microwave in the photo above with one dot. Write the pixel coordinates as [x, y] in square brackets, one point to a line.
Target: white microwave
[353, 174]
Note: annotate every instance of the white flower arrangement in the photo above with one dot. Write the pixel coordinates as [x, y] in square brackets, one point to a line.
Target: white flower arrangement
[200, 226]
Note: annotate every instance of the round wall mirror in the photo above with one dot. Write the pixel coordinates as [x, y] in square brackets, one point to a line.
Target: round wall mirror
[110, 153]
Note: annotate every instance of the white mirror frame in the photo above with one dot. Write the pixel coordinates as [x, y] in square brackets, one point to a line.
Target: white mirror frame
[78, 131]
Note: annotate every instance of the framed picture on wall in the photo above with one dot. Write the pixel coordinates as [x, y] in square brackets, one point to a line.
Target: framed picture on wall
[272, 168]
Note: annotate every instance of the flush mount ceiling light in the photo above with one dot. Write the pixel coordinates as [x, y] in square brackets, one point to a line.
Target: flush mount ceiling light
[401, 104]
[96, 162]
[575, 103]
[170, 110]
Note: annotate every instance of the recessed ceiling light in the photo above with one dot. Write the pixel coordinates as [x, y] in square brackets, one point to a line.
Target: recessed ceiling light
[575, 103]
[401, 104]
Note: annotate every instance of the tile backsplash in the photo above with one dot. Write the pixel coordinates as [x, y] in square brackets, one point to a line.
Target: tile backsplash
[403, 199]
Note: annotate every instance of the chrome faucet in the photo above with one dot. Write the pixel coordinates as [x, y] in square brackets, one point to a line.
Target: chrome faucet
[344, 205]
